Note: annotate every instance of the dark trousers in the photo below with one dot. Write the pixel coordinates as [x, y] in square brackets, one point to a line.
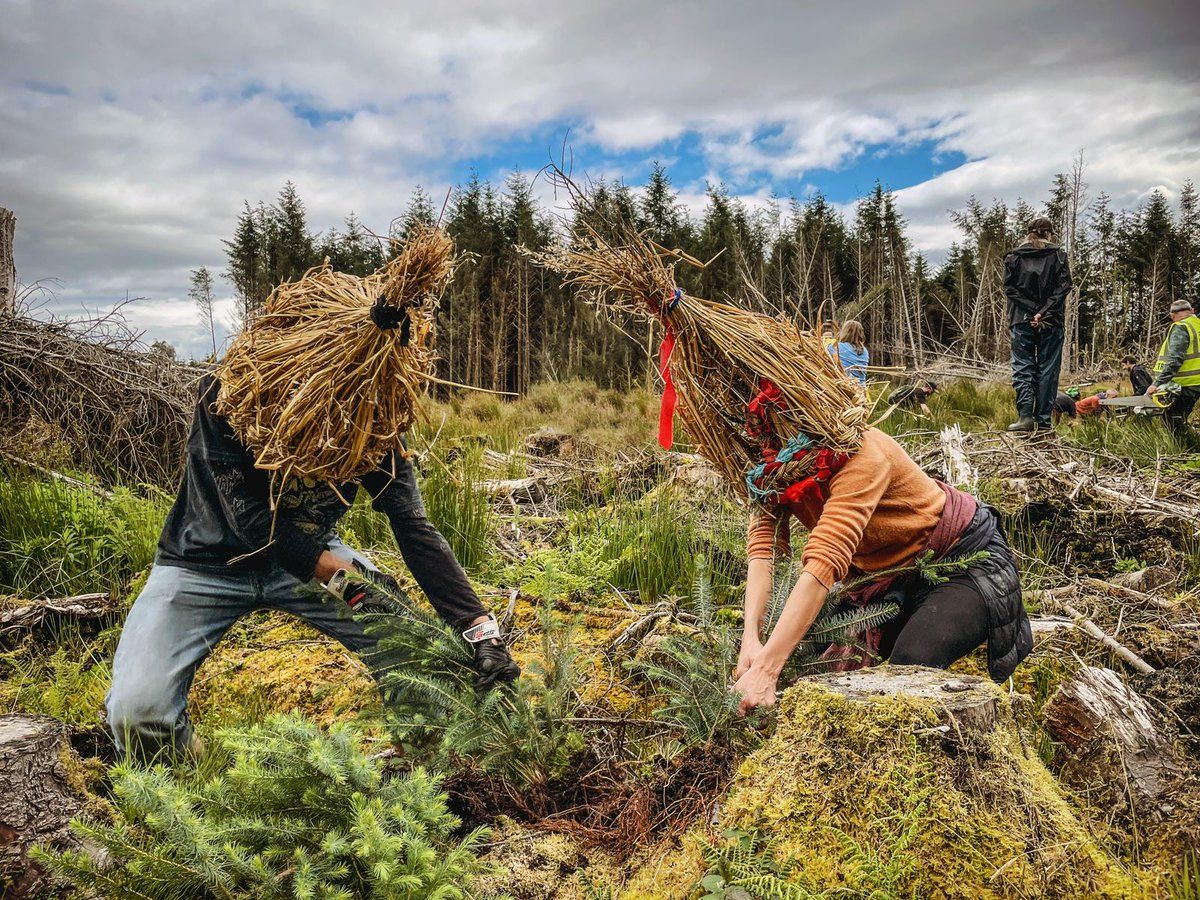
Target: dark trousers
[1036, 359]
[938, 626]
[1176, 415]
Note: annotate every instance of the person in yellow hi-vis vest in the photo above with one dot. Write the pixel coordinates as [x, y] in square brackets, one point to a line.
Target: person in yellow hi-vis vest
[1179, 362]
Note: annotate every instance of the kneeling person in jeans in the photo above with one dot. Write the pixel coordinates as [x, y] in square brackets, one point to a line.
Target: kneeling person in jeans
[224, 552]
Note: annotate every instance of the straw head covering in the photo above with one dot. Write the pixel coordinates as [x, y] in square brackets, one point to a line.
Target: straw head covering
[323, 383]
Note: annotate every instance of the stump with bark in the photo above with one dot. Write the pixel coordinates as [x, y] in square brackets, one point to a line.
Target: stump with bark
[36, 799]
[1112, 748]
[968, 702]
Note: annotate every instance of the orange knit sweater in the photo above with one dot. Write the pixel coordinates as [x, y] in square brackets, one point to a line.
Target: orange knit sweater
[881, 509]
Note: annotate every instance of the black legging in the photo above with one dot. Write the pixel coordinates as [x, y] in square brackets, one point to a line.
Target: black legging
[936, 626]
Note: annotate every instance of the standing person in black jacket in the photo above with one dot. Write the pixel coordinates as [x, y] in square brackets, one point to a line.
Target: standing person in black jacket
[225, 552]
[1037, 280]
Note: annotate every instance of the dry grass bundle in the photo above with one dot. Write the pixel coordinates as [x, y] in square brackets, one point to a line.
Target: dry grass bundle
[325, 381]
[721, 351]
[123, 412]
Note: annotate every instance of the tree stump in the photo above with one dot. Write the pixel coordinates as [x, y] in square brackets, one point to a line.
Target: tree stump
[1111, 744]
[970, 703]
[37, 800]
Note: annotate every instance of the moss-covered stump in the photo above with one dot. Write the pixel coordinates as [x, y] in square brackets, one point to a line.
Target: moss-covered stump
[903, 781]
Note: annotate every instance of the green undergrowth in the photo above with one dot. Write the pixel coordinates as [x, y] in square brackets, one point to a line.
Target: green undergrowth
[296, 812]
[608, 418]
[58, 539]
[860, 802]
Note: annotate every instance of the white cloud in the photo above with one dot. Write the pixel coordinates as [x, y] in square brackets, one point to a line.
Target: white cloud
[173, 114]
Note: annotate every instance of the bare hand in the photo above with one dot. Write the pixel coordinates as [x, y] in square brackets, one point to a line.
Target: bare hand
[757, 688]
[751, 647]
[1036, 321]
[1153, 389]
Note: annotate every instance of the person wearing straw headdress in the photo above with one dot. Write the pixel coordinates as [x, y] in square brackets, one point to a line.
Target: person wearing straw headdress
[241, 536]
[871, 516]
[775, 414]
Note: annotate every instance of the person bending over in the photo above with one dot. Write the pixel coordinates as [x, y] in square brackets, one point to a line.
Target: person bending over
[866, 515]
[223, 553]
[914, 396]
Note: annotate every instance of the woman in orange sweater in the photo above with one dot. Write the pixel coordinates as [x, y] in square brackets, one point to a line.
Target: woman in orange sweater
[865, 514]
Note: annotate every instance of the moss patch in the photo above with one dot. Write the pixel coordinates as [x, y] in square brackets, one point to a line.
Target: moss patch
[863, 802]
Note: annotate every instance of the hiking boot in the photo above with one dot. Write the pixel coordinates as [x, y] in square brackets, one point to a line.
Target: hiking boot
[1025, 423]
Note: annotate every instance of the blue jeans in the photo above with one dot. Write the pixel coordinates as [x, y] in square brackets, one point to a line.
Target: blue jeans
[1036, 360]
[172, 627]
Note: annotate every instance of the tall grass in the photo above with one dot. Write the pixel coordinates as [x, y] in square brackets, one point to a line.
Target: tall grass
[654, 542]
[58, 539]
[457, 506]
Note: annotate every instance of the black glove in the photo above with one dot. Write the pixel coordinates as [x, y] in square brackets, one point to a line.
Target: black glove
[493, 663]
[369, 592]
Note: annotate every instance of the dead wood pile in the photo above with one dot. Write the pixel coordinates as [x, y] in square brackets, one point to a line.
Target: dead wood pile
[124, 412]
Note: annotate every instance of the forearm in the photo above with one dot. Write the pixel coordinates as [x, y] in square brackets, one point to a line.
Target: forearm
[803, 605]
[760, 575]
[437, 571]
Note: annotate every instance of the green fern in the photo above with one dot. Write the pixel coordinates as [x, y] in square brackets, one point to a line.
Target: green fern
[745, 867]
[298, 813]
[702, 592]
[693, 677]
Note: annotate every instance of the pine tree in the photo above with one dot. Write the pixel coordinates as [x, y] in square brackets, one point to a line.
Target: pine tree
[201, 293]
[298, 813]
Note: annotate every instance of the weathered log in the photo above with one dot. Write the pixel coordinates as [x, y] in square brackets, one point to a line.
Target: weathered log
[1151, 578]
[1111, 742]
[516, 490]
[30, 613]
[38, 801]
[970, 703]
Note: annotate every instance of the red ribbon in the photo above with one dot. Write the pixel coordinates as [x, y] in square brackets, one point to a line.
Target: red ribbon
[666, 412]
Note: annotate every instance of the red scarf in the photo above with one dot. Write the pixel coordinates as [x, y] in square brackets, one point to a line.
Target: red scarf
[826, 462]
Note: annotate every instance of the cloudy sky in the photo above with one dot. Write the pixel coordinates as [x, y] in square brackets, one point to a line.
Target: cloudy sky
[131, 132]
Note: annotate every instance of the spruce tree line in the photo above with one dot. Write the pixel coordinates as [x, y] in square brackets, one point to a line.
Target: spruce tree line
[506, 324]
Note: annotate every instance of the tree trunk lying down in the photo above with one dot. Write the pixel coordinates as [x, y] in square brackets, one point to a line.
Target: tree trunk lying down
[968, 701]
[1111, 742]
[36, 802]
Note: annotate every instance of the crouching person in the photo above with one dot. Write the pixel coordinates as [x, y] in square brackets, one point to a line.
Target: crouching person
[867, 514]
[224, 552]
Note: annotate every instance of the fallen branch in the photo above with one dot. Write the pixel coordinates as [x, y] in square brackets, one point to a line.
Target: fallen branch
[1091, 629]
[81, 606]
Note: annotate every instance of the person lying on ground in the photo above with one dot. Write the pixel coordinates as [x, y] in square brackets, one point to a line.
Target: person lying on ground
[1139, 377]
[1179, 362]
[1064, 404]
[224, 553]
[914, 396]
[1090, 406]
[869, 514]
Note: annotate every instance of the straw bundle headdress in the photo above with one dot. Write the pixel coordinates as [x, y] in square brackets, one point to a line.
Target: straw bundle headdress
[326, 379]
[747, 387]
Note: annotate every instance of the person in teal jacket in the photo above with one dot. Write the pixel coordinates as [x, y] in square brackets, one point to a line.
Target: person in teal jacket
[851, 351]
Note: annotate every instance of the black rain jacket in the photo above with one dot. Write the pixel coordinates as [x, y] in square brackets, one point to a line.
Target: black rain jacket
[1036, 280]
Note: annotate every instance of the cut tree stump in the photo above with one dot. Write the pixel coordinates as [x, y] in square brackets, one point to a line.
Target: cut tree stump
[38, 801]
[1111, 742]
[970, 703]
